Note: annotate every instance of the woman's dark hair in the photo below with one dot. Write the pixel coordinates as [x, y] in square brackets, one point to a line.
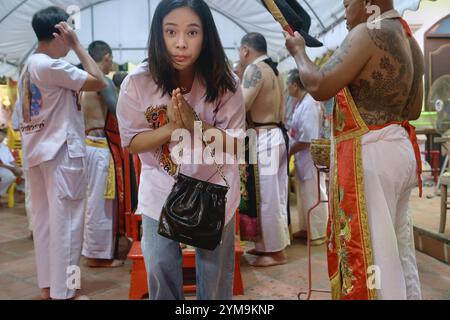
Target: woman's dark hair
[212, 63]
[294, 78]
[44, 22]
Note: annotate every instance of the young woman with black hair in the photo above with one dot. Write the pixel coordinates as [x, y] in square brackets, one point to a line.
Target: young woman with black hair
[186, 70]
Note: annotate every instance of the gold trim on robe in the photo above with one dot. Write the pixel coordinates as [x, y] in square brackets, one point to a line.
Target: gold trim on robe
[110, 183]
[349, 244]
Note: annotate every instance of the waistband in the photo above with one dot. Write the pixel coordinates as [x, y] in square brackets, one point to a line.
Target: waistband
[270, 124]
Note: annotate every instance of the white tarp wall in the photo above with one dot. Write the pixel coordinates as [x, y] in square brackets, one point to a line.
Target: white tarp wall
[125, 26]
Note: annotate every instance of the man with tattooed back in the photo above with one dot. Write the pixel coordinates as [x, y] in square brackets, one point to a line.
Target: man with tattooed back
[376, 76]
[266, 222]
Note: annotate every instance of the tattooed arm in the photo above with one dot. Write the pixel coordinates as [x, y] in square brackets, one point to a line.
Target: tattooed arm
[251, 85]
[342, 68]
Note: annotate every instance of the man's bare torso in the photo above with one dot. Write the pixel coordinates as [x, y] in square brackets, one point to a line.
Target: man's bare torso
[383, 90]
[268, 104]
[95, 110]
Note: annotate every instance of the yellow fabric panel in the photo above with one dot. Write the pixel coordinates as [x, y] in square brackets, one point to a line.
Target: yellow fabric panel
[292, 166]
[110, 187]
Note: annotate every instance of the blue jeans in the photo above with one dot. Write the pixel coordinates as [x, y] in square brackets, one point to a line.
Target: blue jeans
[164, 264]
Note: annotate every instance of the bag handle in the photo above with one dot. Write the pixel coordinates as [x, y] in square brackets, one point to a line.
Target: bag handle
[219, 168]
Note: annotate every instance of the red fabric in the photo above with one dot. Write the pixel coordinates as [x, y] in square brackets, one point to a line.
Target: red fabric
[114, 141]
[249, 228]
[347, 255]
[406, 27]
[137, 168]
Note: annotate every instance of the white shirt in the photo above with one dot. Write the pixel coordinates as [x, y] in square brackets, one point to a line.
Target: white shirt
[55, 116]
[306, 126]
[6, 156]
[142, 108]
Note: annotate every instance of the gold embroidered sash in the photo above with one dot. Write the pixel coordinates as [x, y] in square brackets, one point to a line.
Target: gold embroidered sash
[110, 187]
[349, 246]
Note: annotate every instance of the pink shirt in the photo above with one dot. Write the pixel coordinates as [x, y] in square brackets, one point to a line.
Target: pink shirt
[142, 107]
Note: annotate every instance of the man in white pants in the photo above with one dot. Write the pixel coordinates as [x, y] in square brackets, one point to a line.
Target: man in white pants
[306, 126]
[98, 246]
[53, 138]
[263, 94]
[377, 75]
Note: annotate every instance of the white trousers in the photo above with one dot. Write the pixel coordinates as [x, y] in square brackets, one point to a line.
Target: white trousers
[274, 192]
[307, 197]
[390, 173]
[98, 228]
[7, 178]
[58, 189]
[28, 200]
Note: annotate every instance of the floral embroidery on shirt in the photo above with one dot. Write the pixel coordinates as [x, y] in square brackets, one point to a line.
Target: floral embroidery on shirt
[157, 117]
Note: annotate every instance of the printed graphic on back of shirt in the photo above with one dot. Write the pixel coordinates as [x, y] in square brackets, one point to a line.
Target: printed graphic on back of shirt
[32, 102]
[36, 101]
[31, 105]
[157, 118]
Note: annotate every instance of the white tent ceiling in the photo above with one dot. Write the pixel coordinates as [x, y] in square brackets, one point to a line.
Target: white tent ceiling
[125, 26]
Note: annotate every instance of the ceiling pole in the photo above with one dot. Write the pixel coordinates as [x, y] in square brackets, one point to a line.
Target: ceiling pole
[14, 9]
[91, 7]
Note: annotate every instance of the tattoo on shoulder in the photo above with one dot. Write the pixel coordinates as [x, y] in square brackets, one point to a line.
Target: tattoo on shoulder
[385, 40]
[337, 58]
[331, 64]
[252, 77]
